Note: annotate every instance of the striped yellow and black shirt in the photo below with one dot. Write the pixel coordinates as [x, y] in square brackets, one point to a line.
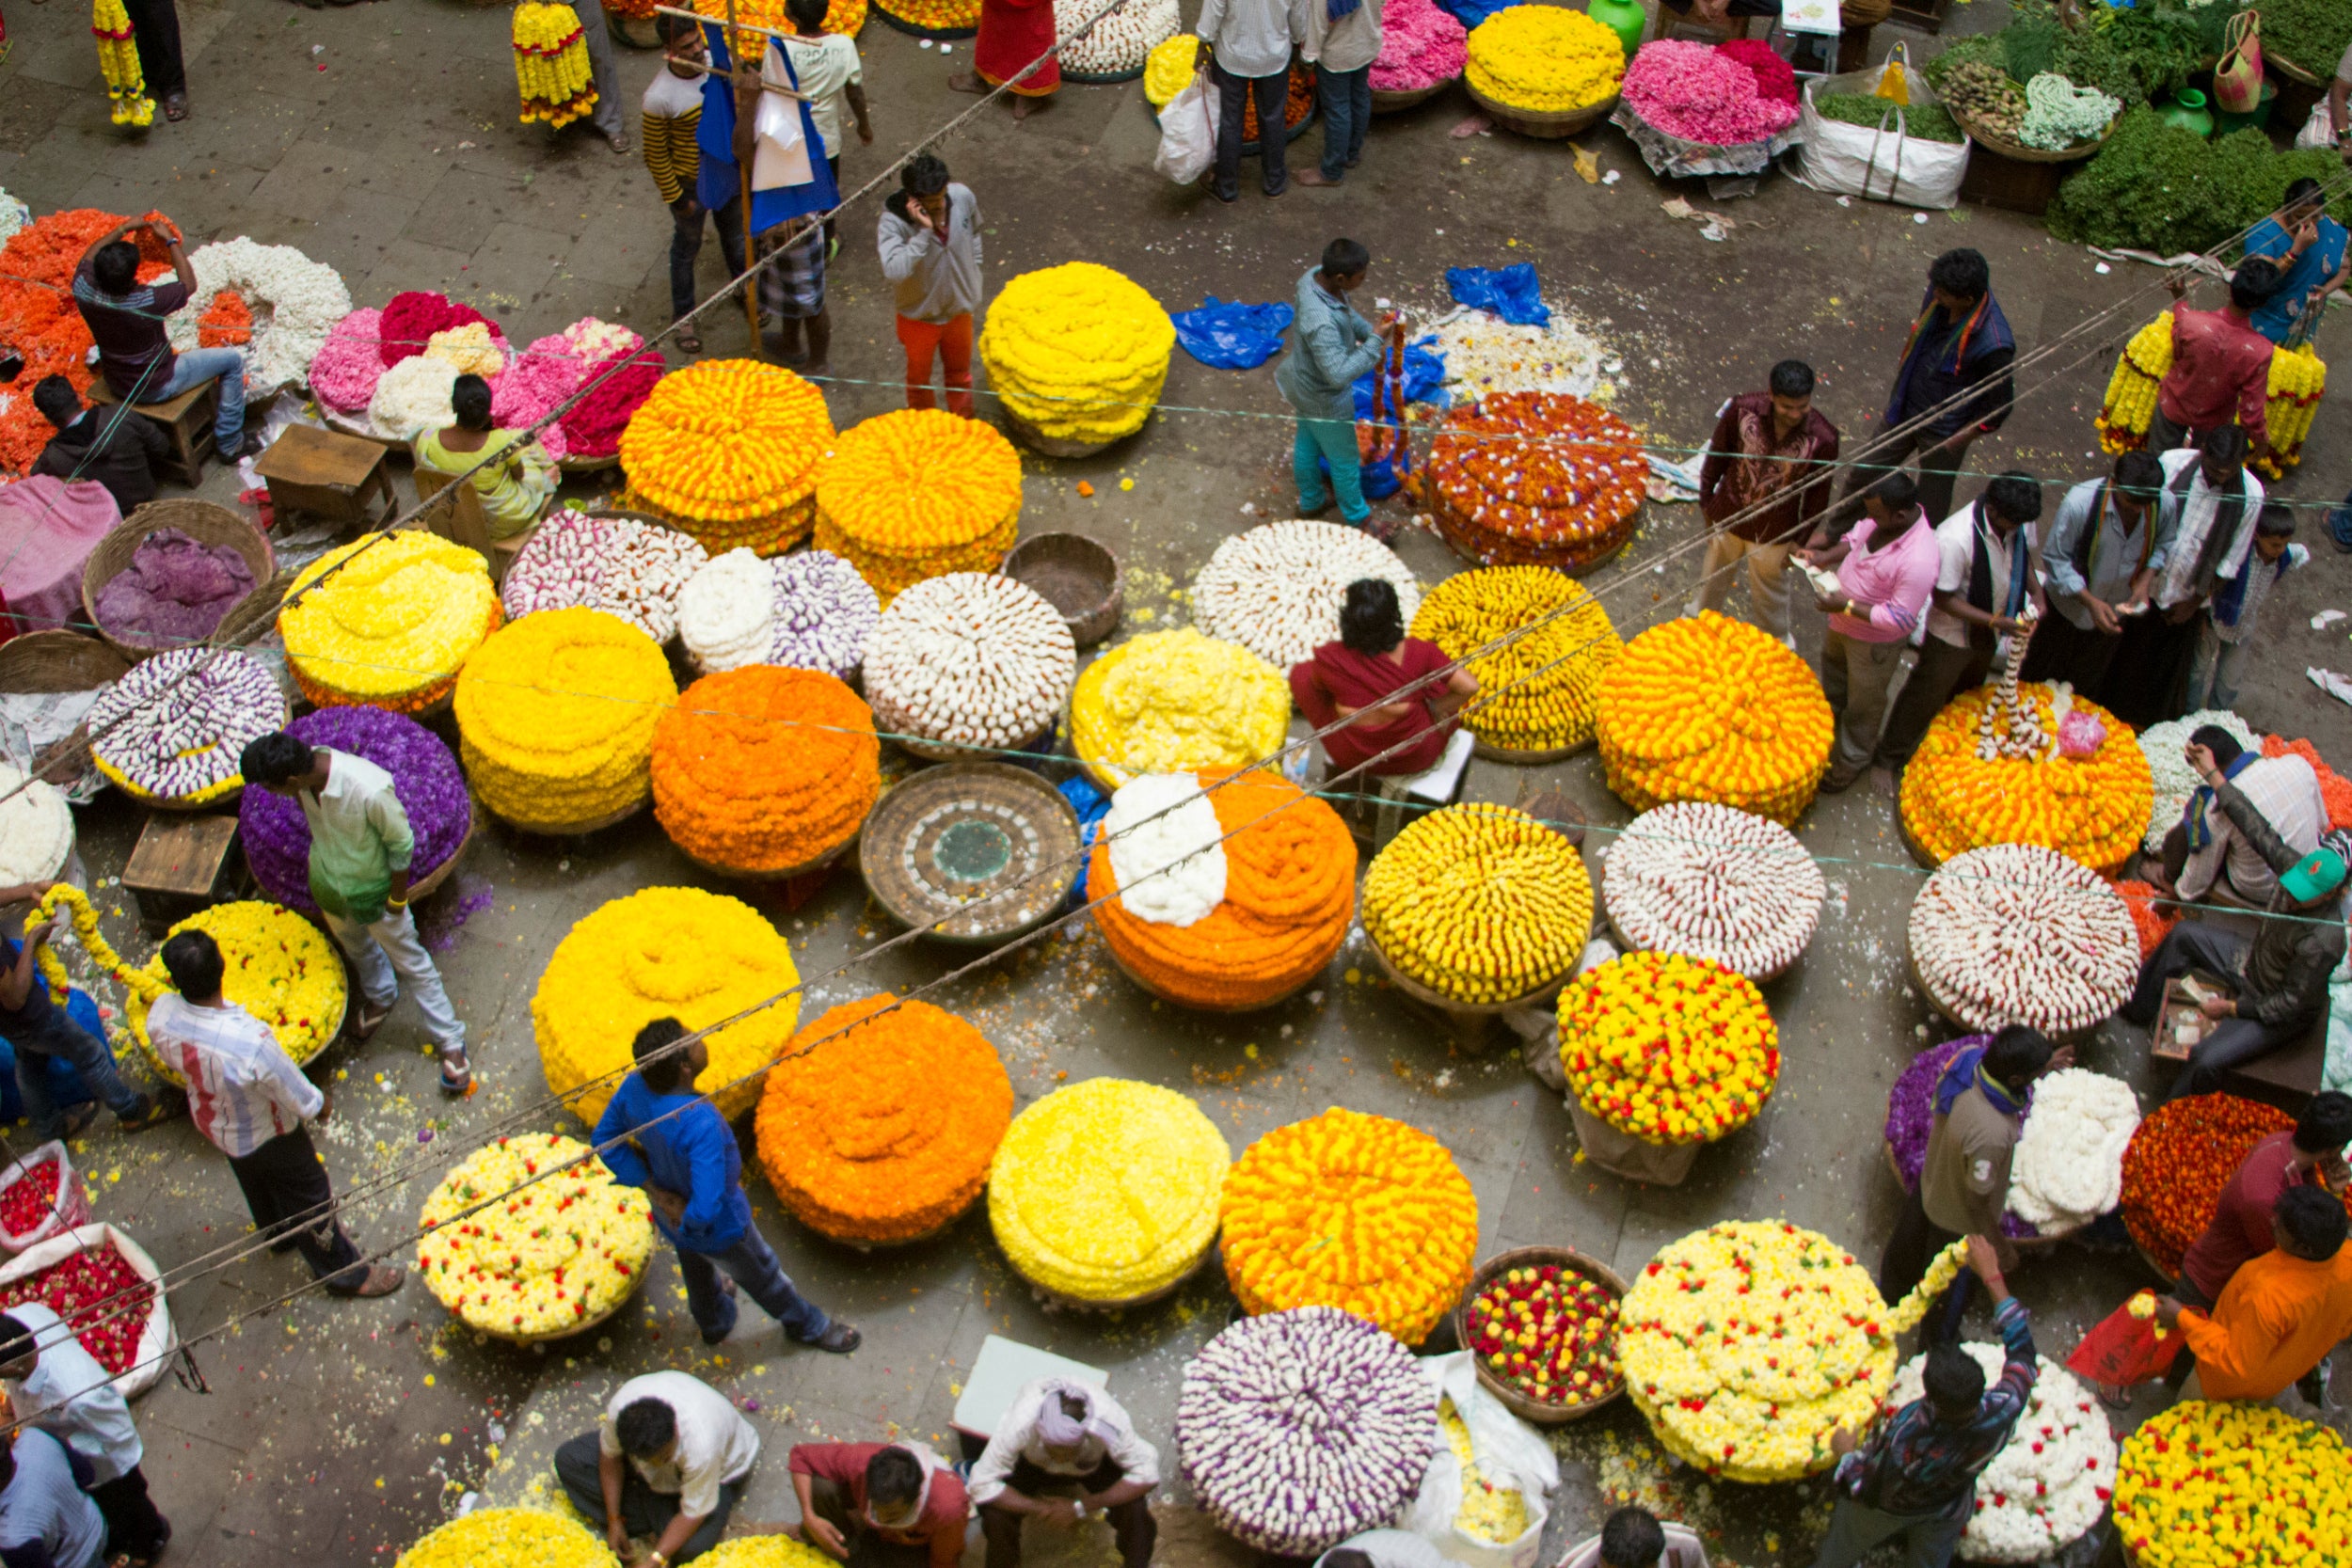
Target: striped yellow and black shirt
[672, 110]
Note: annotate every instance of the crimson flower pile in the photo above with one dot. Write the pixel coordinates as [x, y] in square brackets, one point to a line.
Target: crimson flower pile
[101, 1297]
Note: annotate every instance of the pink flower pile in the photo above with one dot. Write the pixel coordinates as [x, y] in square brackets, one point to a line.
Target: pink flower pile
[1696, 93]
[1774, 80]
[1420, 46]
[533, 382]
[346, 368]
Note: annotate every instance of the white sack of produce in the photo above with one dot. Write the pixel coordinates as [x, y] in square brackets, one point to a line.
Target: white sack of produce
[156, 1337]
[1508, 1455]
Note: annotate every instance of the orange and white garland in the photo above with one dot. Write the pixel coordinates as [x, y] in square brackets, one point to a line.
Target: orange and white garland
[550, 63]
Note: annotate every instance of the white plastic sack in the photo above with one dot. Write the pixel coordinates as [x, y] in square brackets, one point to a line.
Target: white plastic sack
[157, 1337]
[1886, 162]
[69, 1208]
[2316, 135]
[1508, 1453]
[1188, 132]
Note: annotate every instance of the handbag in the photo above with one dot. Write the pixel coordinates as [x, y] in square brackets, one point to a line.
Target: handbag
[2237, 80]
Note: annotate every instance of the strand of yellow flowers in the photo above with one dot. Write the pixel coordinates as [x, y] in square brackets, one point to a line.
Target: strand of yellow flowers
[119, 61]
[75, 904]
[552, 64]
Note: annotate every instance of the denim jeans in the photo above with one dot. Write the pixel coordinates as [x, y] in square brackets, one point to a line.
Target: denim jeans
[380, 948]
[750, 1262]
[196, 367]
[1346, 112]
[62, 1037]
[686, 246]
[2194, 944]
[1334, 441]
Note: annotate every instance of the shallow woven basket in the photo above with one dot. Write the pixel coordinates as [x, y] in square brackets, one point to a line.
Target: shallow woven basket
[1076, 576]
[1545, 125]
[1450, 1005]
[1519, 1405]
[1051, 446]
[1405, 98]
[2018, 152]
[40, 661]
[202, 521]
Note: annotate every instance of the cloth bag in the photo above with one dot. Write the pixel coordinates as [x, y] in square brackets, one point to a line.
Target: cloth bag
[69, 1208]
[2317, 135]
[2237, 80]
[1508, 1453]
[1884, 162]
[1188, 132]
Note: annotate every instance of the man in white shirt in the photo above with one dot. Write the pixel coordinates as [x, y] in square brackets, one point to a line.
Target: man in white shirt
[361, 846]
[832, 74]
[2205, 852]
[2208, 509]
[1636, 1538]
[1246, 46]
[245, 1093]
[57, 1385]
[669, 1459]
[1064, 1451]
[1986, 587]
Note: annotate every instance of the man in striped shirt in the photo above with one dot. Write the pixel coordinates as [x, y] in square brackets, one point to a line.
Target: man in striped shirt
[245, 1093]
[672, 115]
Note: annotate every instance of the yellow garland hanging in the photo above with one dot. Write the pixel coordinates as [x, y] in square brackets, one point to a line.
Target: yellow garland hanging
[119, 61]
[550, 64]
[2298, 379]
[75, 905]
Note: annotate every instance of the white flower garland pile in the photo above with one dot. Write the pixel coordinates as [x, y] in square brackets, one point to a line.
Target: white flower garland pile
[36, 828]
[1121, 41]
[2162, 745]
[2015, 933]
[2068, 1169]
[622, 566]
[413, 397]
[970, 658]
[808, 611]
[178, 723]
[2048, 1484]
[1146, 838]
[1277, 589]
[294, 301]
[1702, 878]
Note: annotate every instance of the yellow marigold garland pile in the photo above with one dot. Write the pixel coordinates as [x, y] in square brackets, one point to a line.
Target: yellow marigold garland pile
[763, 769]
[2091, 809]
[2297, 380]
[279, 968]
[1350, 1210]
[1539, 692]
[663, 952]
[766, 1551]
[939, 18]
[1670, 1048]
[2207, 1483]
[510, 1538]
[118, 62]
[556, 716]
[1169, 68]
[842, 16]
[1107, 1191]
[1079, 351]
[1479, 903]
[1708, 708]
[727, 451]
[1177, 702]
[878, 1122]
[918, 493]
[1544, 59]
[556, 1255]
[391, 629]
[552, 64]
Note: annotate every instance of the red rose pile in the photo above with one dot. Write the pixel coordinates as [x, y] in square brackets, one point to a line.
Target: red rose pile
[100, 1296]
[30, 1199]
[1548, 1334]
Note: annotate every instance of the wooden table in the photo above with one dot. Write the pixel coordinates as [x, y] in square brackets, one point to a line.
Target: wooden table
[329, 476]
[181, 864]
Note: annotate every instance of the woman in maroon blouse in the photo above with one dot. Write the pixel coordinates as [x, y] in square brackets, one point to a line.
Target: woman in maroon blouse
[1363, 678]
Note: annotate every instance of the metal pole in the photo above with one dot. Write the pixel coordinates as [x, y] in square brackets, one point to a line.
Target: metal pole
[743, 165]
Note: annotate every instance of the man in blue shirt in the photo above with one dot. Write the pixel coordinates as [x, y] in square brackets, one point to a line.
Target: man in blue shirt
[1335, 346]
[658, 1133]
[40, 1029]
[2309, 246]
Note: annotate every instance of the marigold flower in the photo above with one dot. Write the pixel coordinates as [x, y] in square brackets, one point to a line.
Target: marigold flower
[1707, 709]
[1481, 903]
[2207, 1483]
[1669, 1048]
[556, 716]
[2091, 809]
[553, 1257]
[2181, 1157]
[1176, 701]
[392, 627]
[764, 769]
[509, 1538]
[918, 493]
[1077, 351]
[278, 967]
[1540, 691]
[1544, 59]
[727, 451]
[1536, 478]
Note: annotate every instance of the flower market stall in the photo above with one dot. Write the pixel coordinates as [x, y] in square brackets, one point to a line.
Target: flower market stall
[2171, 783]
[288, 302]
[1104, 1193]
[809, 610]
[531, 1239]
[727, 451]
[388, 623]
[38, 320]
[169, 734]
[918, 493]
[36, 828]
[2182, 1156]
[1116, 47]
[556, 716]
[1707, 709]
[2050, 1483]
[2211, 1482]
[1541, 1325]
[765, 772]
[1697, 108]
[663, 952]
[1701, 879]
[2015, 933]
[968, 660]
[1998, 769]
[1346, 1209]
[1302, 1428]
[426, 779]
[1176, 701]
[879, 1121]
[1722, 1393]
[2298, 381]
[1229, 926]
[280, 968]
[632, 567]
[1538, 694]
[1422, 48]
[509, 1538]
[1277, 589]
[1537, 479]
[1077, 354]
[1663, 1053]
[1478, 907]
[108, 1290]
[1544, 71]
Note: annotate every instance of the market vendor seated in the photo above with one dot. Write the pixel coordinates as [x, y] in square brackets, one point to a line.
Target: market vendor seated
[2279, 977]
[1064, 1451]
[2205, 856]
[514, 490]
[1361, 679]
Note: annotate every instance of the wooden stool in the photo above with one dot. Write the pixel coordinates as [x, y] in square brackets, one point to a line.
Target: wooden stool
[181, 864]
[320, 474]
[454, 511]
[188, 421]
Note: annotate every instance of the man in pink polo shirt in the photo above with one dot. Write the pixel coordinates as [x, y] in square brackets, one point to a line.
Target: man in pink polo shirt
[1885, 565]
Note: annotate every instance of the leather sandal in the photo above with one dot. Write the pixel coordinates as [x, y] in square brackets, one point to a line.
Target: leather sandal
[381, 1280]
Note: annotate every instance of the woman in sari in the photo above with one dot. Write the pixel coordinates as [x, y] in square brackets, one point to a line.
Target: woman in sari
[514, 489]
[1012, 33]
[1361, 679]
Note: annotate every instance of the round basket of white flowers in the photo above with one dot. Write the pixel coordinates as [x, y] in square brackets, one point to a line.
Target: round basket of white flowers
[284, 304]
[1116, 47]
[2048, 1484]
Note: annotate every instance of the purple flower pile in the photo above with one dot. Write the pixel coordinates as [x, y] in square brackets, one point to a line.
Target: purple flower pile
[1911, 1115]
[425, 777]
[175, 590]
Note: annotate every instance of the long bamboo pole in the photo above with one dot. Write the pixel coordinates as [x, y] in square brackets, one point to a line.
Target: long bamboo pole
[743, 164]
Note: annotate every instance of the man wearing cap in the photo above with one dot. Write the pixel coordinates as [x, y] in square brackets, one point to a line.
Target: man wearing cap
[1063, 1452]
[2282, 974]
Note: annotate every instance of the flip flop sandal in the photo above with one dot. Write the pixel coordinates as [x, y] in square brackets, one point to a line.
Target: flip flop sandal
[175, 106]
[690, 343]
[371, 1019]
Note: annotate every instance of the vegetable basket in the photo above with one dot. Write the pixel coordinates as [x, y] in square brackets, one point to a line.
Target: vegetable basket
[1542, 1413]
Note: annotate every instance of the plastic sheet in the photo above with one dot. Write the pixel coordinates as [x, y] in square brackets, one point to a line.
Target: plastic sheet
[1230, 336]
[1472, 12]
[1425, 377]
[1510, 292]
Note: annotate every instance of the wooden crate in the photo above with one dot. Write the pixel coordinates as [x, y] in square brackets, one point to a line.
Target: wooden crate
[181, 864]
[2009, 184]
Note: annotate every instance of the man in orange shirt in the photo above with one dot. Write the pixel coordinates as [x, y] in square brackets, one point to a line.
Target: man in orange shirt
[2282, 1313]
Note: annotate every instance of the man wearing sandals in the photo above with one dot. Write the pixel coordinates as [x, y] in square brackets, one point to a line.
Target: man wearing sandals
[360, 844]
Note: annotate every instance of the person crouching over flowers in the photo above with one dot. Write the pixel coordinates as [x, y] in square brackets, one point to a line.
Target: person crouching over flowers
[1916, 1478]
[518, 484]
[245, 1093]
[879, 1505]
[2281, 1315]
[1636, 1538]
[658, 1135]
[1063, 1451]
[669, 1459]
[360, 844]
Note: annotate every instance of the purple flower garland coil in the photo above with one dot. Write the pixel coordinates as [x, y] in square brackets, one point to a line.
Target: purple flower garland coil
[426, 778]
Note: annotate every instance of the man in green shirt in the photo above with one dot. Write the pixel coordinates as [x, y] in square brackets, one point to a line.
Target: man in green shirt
[360, 844]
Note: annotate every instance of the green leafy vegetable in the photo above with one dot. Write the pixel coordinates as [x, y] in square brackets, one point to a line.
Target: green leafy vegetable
[2136, 55]
[2311, 33]
[1927, 121]
[2157, 187]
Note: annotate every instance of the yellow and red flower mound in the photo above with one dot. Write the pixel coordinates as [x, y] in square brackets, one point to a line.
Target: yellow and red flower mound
[763, 769]
[389, 621]
[1480, 903]
[1708, 708]
[1350, 1210]
[1670, 1048]
[2181, 1157]
[556, 716]
[1538, 479]
[551, 1256]
[918, 493]
[727, 451]
[280, 968]
[879, 1121]
[1548, 1333]
[1540, 691]
[2208, 1483]
[2091, 809]
[1290, 889]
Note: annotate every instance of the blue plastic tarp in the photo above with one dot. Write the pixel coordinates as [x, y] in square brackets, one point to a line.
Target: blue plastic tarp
[1230, 336]
[1508, 291]
[1425, 377]
[1470, 13]
[1091, 805]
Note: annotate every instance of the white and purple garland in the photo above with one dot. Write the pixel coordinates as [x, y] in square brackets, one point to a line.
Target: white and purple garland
[621, 565]
[1297, 1429]
[807, 612]
[176, 725]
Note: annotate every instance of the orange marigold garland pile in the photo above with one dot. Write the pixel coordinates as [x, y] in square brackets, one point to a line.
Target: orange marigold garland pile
[1963, 791]
[1708, 708]
[226, 323]
[727, 451]
[1538, 479]
[763, 769]
[918, 493]
[38, 320]
[1290, 890]
[878, 1122]
[2181, 1157]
